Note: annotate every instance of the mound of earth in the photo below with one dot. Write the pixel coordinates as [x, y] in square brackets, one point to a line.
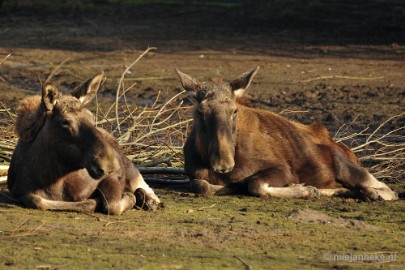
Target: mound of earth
[316, 217]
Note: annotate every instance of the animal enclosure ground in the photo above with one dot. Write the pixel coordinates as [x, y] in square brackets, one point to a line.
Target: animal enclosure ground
[334, 75]
[205, 233]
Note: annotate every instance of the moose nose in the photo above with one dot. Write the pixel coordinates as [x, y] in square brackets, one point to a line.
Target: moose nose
[223, 170]
[95, 171]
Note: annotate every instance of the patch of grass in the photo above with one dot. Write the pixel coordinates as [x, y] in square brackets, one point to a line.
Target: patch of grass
[194, 232]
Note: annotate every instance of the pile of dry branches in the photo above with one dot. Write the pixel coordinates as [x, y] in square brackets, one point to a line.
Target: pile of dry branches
[151, 135]
[381, 151]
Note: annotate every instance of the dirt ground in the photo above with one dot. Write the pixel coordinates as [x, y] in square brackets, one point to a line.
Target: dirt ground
[337, 75]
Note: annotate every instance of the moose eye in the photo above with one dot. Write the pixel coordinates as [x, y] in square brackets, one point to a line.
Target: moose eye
[65, 123]
[200, 114]
[234, 113]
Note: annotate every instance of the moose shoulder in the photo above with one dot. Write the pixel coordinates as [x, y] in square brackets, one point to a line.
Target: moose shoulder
[63, 162]
[234, 148]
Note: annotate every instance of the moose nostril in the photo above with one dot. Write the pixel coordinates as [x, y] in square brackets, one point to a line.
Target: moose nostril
[223, 170]
[95, 171]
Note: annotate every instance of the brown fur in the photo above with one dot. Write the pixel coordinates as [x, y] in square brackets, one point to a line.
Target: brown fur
[30, 118]
[235, 147]
[63, 162]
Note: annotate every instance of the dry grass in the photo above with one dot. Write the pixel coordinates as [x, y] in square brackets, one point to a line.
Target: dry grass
[8, 137]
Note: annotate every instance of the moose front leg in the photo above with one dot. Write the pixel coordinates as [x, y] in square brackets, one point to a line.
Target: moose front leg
[279, 183]
[207, 182]
[114, 199]
[36, 201]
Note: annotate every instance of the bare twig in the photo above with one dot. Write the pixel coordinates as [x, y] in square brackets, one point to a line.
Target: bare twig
[341, 77]
[160, 130]
[55, 70]
[116, 222]
[140, 79]
[121, 83]
[4, 59]
[6, 110]
[246, 266]
[22, 232]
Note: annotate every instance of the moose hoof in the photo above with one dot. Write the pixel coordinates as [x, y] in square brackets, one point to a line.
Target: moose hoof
[88, 206]
[302, 191]
[313, 192]
[129, 198]
[200, 187]
[145, 201]
[377, 194]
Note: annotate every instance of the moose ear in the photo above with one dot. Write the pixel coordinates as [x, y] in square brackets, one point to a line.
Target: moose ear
[189, 83]
[49, 97]
[240, 84]
[89, 88]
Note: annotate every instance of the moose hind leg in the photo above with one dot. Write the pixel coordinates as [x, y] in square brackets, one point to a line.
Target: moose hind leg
[114, 199]
[360, 180]
[279, 183]
[372, 189]
[37, 202]
[291, 191]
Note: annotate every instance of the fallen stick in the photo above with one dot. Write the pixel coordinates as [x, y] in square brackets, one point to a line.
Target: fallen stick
[154, 180]
[3, 170]
[145, 170]
[341, 77]
[150, 79]
[161, 170]
[4, 59]
[6, 146]
[155, 162]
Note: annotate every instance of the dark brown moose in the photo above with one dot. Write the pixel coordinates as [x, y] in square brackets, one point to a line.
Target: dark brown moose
[234, 148]
[63, 162]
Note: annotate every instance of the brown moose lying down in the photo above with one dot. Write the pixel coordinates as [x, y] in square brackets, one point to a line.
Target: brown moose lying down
[63, 162]
[233, 148]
